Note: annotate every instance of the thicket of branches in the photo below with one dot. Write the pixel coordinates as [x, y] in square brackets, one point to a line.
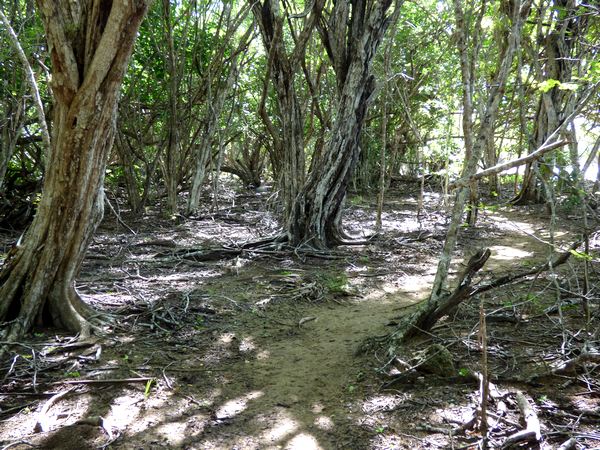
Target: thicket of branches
[313, 98]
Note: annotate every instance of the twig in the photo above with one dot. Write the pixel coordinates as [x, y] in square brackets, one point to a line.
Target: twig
[108, 381]
[19, 442]
[118, 216]
[16, 408]
[42, 424]
[568, 444]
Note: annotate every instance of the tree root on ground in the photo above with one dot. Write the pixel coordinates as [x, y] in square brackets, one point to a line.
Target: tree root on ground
[429, 312]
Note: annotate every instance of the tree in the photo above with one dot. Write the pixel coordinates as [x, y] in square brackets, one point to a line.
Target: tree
[441, 301]
[30, 79]
[553, 62]
[217, 76]
[282, 67]
[90, 43]
[351, 33]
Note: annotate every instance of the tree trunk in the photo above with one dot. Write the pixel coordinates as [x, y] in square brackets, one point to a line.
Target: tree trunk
[559, 47]
[351, 38]
[127, 158]
[216, 102]
[282, 67]
[9, 134]
[483, 135]
[172, 164]
[90, 44]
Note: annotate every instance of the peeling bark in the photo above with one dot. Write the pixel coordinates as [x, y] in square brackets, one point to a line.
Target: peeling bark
[90, 44]
[351, 35]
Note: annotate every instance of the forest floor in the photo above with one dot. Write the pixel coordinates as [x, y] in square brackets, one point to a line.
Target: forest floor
[258, 351]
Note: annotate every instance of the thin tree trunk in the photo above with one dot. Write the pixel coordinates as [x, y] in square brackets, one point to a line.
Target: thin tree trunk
[384, 122]
[171, 165]
[559, 59]
[11, 131]
[90, 46]
[282, 66]
[37, 101]
[128, 162]
[483, 135]
[215, 108]
[220, 77]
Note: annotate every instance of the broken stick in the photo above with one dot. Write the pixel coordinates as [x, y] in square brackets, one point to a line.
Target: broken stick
[532, 432]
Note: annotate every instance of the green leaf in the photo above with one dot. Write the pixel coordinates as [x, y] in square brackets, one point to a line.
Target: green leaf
[547, 85]
[148, 387]
[581, 255]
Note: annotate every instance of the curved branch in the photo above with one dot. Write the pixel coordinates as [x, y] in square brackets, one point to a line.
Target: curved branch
[30, 79]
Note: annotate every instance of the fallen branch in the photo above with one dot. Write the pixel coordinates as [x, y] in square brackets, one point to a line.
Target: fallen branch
[546, 146]
[428, 313]
[572, 365]
[42, 424]
[462, 182]
[108, 381]
[507, 279]
[532, 432]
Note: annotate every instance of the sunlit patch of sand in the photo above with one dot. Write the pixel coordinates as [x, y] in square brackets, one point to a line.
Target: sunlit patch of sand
[263, 354]
[303, 441]
[235, 406]
[173, 433]
[247, 344]
[324, 423]
[227, 338]
[284, 426]
[506, 253]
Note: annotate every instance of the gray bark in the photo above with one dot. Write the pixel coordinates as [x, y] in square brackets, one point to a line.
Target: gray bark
[288, 132]
[559, 58]
[37, 101]
[483, 135]
[351, 36]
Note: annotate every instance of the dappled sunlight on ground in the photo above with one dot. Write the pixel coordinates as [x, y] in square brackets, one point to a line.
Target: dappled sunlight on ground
[303, 441]
[235, 406]
[284, 426]
[505, 253]
[259, 352]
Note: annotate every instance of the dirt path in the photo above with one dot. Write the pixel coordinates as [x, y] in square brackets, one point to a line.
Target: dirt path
[258, 352]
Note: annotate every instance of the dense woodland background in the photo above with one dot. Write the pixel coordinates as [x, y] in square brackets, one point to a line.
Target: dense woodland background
[210, 91]
[183, 108]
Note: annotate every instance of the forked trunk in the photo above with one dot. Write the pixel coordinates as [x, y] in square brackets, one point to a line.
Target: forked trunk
[90, 45]
[351, 36]
[560, 57]
[315, 218]
[288, 132]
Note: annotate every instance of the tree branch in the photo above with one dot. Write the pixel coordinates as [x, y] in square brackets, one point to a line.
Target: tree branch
[548, 145]
[30, 79]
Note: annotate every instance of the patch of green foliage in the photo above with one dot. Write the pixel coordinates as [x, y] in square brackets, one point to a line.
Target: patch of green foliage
[336, 282]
